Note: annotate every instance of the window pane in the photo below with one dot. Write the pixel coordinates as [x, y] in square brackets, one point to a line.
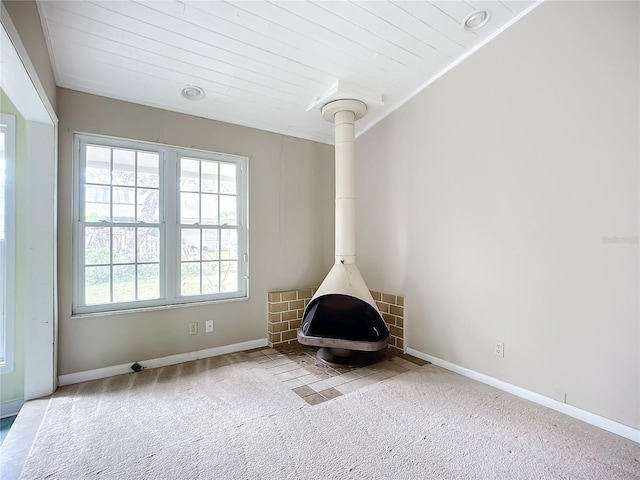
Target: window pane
[229, 245]
[148, 208]
[124, 204]
[148, 281]
[190, 244]
[228, 276]
[209, 209]
[210, 278]
[124, 283]
[148, 244]
[124, 245]
[148, 170]
[210, 177]
[227, 178]
[189, 208]
[3, 184]
[97, 203]
[97, 245]
[190, 279]
[4, 320]
[97, 285]
[228, 213]
[124, 163]
[189, 175]
[6, 234]
[98, 168]
[210, 244]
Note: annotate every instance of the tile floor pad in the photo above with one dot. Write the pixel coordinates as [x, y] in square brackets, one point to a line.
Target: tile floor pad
[296, 367]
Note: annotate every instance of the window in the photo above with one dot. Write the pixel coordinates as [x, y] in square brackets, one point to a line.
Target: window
[157, 225]
[7, 239]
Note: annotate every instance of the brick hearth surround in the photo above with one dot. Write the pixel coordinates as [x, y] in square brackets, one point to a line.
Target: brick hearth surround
[286, 309]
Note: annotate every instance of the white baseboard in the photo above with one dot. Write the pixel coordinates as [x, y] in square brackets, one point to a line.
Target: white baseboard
[11, 407]
[105, 372]
[587, 417]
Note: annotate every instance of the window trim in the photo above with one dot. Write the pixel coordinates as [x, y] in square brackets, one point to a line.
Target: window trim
[7, 335]
[169, 209]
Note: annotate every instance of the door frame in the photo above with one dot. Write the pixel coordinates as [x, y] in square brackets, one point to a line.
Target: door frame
[21, 83]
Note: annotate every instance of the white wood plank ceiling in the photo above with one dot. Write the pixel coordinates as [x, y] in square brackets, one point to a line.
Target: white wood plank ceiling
[263, 63]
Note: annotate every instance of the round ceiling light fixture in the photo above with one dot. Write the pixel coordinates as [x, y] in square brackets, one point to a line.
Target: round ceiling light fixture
[191, 92]
[476, 20]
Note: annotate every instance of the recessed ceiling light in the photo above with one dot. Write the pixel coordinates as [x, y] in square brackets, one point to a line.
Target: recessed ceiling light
[476, 20]
[191, 92]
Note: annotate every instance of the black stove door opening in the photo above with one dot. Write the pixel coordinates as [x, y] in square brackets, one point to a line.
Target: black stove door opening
[343, 317]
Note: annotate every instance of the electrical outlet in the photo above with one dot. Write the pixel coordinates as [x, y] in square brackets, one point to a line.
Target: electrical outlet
[499, 350]
[193, 328]
[208, 326]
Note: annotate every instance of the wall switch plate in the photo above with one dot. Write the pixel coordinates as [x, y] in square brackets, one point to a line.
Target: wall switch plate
[208, 326]
[193, 328]
[499, 349]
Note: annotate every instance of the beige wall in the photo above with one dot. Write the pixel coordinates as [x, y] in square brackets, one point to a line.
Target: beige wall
[486, 200]
[26, 18]
[290, 231]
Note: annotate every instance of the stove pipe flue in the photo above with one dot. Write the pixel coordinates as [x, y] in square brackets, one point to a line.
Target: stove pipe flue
[342, 315]
[345, 113]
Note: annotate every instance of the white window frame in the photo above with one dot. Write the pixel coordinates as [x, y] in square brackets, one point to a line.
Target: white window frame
[7, 329]
[169, 209]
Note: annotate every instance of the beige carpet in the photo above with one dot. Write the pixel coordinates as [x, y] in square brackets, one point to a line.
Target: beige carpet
[228, 418]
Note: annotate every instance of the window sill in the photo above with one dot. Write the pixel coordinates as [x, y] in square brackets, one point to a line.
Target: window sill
[174, 306]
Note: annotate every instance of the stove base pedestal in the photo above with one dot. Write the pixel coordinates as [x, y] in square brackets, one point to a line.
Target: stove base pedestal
[344, 358]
